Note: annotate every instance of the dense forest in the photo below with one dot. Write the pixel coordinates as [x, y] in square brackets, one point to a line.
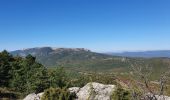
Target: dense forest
[25, 75]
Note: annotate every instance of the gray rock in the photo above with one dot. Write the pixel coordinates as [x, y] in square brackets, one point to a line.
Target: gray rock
[162, 97]
[96, 91]
[32, 96]
[74, 90]
[40, 95]
[156, 97]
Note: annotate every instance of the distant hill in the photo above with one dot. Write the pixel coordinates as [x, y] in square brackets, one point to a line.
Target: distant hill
[83, 60]
[145, 54]
[59, 56]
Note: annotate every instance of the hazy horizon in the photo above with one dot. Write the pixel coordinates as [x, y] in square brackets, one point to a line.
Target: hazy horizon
[98, 25]
[111, 51]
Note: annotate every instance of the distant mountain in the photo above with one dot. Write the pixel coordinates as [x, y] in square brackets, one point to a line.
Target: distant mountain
[59, 56]
[83, 60]
[145, 54]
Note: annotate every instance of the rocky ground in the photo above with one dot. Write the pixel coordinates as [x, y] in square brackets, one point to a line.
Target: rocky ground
[91, 91]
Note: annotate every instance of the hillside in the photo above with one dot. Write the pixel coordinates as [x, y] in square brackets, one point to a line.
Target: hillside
[83, 60]
[53, 57]
[145, 54]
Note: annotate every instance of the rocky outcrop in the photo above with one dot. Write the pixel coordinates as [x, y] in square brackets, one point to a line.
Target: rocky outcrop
[34, 96]
[91, 91]
[95, 91]
[150, 96]
[162, 97]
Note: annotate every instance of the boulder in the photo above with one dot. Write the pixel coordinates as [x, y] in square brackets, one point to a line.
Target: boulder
[162, 97]
[74, 90]
[156, 97]
[32, 96]
[96, 91]
[40, 94]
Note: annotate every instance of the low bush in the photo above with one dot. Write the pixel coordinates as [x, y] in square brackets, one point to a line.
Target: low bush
[57, 94]
[121, 94]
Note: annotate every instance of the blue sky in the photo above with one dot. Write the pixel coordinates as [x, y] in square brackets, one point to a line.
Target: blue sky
[99, 25]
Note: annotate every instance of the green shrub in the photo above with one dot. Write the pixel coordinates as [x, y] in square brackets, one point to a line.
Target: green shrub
[121, 94]
[57, 94]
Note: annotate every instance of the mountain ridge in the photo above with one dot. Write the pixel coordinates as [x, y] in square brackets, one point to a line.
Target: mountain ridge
[144, 54]
[83, 60]
[52, 57]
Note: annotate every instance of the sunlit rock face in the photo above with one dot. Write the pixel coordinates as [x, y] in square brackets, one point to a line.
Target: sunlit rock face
[33, 96]
[74, 90]
[96, 91]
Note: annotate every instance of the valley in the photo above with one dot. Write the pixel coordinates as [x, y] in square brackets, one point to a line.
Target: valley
[85, 61]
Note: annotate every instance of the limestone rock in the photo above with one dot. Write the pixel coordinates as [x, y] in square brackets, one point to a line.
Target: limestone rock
[162, 97]
[32, 96]
[74, 90]
[95, 91]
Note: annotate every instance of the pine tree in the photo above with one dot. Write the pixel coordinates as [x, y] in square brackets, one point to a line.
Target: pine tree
[5, 68]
